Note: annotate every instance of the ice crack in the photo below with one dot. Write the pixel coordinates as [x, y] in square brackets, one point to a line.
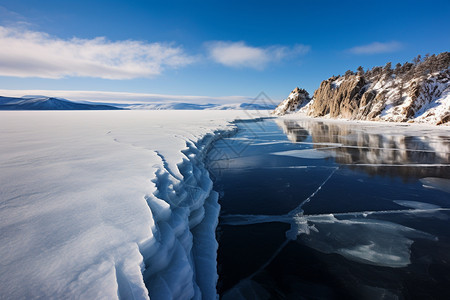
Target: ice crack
[344, 233]
[180, 263]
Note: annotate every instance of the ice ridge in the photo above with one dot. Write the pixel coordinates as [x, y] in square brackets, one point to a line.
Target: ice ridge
[181, 261]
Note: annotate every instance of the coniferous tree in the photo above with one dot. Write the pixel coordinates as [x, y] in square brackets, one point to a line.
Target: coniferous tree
[377, 71]
[416, 60]
[360, 71]
[398, 69]
[348, 73]
[388, 70]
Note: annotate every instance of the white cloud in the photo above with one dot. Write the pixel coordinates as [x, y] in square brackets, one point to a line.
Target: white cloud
[238, 54]
[25, 53]
[376, 48]
[125, 97]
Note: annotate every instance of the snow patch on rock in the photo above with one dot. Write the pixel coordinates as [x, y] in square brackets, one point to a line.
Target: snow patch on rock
[295, 101]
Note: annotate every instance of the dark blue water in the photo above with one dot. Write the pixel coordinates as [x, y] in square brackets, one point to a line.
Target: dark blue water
[319, 210]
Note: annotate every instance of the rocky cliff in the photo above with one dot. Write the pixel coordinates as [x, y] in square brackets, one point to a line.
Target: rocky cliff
[297, 99]
[412, 92]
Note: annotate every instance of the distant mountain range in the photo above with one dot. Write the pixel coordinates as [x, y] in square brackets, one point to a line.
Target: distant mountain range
[192, 106]
[49, 103]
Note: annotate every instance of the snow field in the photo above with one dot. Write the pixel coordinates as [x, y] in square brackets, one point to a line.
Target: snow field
[108, 204]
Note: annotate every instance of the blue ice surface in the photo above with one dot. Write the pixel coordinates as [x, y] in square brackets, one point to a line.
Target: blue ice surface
[363, 198]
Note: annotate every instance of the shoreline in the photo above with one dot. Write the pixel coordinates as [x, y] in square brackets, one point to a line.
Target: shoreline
[303, 116]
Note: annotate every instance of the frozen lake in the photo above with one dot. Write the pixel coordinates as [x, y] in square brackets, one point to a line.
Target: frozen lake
[327, 209]
[119, 205]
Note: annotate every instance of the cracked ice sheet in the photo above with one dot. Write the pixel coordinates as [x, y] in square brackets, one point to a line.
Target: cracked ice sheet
[363, 240]
[73, 212]
[416, 204]
[352, 234]
[442, 184]
[308, 153]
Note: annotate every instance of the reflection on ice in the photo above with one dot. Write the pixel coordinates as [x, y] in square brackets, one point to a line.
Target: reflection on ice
[374, 149]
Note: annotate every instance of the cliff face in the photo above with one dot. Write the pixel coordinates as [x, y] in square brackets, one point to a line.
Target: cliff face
[423, 99]
[418, 92]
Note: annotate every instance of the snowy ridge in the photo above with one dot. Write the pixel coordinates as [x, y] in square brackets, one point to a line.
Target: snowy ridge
[48, 103]
[181, 264]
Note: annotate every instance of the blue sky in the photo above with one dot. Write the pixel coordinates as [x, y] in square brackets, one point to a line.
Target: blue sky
[212, 49]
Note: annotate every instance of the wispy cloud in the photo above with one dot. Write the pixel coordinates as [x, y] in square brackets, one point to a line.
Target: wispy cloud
[238, 54]
[9, 17]
[125, 97]
[376, 48]
[25, 53]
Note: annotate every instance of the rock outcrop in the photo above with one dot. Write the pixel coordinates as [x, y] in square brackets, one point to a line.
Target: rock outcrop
[413, 92]
[295, 101]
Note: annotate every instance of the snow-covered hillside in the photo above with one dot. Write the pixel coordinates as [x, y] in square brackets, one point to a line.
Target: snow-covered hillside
[418, 92]
[108, 205]
[50, 103]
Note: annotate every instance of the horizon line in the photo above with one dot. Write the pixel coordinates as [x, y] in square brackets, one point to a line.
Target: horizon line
[125, 97]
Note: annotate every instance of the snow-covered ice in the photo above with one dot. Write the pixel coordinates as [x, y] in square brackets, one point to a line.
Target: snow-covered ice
[442, 184]
[108, 204]
[308, 153]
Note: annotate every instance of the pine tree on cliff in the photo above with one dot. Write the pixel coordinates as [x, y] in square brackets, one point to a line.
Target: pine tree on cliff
[388, 70]
[398, 69]
[360, 71]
